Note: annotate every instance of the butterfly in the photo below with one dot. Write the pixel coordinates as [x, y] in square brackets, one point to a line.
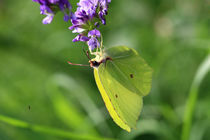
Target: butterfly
[123, 79]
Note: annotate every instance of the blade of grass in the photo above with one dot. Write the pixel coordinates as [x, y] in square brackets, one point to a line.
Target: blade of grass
[193, 95]
[94, 113]
[48, 130]
[66, 110]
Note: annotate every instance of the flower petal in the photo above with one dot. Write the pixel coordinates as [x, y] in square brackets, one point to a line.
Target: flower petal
[94, 33]
[48, 19]
[93, 43]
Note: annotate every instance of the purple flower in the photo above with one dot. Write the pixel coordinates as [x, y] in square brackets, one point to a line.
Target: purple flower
[89, 12]
[92, 39]
[93, 43]
[51, 7]
[88, 16]
[94, 33]
[80, 38]
[103, 10]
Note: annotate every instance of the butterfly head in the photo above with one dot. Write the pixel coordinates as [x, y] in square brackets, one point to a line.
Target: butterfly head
[96, 64]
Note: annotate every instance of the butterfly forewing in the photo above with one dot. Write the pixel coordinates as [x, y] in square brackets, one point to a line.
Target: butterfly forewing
[134, 71]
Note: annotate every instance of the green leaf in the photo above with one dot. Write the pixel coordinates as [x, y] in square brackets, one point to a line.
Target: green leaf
[48, 130]
[192, 99]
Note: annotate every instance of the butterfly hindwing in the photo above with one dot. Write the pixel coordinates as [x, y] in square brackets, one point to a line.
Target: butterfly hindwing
[123, 105]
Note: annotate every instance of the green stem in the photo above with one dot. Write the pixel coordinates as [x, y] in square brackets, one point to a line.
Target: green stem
[101, 42]
[48, 130]
[193, 95]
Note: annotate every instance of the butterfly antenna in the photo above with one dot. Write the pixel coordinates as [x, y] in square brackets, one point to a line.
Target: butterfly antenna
[77, 64]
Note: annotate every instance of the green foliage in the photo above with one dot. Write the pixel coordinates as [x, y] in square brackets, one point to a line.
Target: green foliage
[193, 95]
[172, 36]
[48, 130]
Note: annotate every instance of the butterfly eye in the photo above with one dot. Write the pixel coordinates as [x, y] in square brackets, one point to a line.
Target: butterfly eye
[94, 63]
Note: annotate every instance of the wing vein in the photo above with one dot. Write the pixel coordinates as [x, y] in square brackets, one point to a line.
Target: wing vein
[121, 56]
[123, 74]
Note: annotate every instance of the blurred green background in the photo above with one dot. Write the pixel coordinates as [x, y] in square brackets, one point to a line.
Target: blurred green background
[172, 36]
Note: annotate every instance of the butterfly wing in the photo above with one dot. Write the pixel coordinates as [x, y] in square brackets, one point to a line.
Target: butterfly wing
[115, 80]
[134, 72]
[123, 105]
